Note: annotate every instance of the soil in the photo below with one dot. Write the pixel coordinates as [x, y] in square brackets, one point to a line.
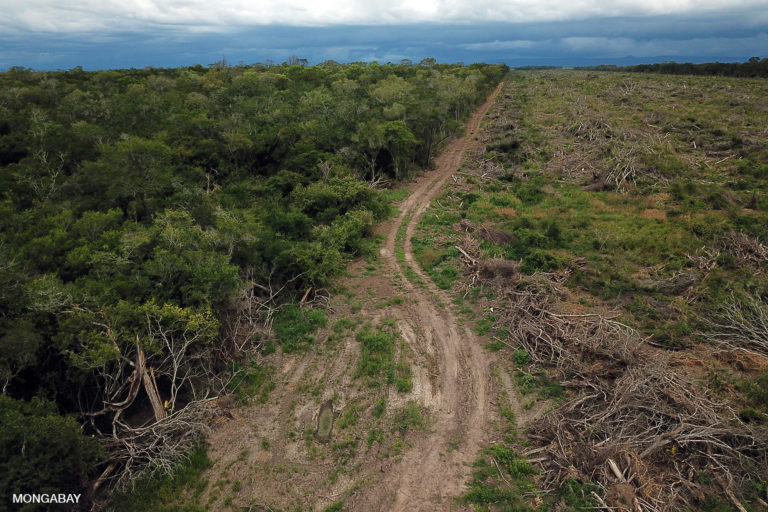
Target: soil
[264, 447]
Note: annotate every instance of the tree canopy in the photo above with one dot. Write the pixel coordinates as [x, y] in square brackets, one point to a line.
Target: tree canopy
[136, 206]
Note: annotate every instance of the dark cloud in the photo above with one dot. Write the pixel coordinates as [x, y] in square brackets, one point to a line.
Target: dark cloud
[722, 36]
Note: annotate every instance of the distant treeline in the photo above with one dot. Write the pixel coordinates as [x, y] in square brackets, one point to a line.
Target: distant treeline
[535, 68]
[754, 67]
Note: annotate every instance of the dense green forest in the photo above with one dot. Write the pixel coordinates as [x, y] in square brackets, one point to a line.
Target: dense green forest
[155, 223]
[754, 67]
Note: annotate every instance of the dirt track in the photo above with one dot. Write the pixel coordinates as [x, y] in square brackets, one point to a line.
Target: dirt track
[454, 386]
[451, 380]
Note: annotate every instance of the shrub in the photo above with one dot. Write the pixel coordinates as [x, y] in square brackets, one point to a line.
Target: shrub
[42, 451]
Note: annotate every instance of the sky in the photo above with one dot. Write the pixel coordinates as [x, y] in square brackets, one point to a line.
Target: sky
[108, 34]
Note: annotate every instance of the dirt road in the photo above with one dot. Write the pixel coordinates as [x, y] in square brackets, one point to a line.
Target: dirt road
[453, 383]
[277, 469]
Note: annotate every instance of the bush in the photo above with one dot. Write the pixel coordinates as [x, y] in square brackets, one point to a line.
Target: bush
[42, 451]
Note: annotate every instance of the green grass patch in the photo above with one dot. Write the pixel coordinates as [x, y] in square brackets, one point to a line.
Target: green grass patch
[344, 451]
[484, 325]
[344, 324]
[394, 195]
[349, 417]
[295, 327]
[377, 358]
[538, 382]
[444, 276]
[380, 407]
[410, 417]
[503, 479]
[403, 379]
[335, 507]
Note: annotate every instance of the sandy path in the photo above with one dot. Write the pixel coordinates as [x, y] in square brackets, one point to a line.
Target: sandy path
[454, 387]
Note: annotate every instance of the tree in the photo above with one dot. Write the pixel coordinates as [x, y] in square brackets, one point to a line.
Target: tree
[135, 173]
[42, 451]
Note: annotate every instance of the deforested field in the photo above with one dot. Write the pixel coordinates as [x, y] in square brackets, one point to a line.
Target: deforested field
[610, 241]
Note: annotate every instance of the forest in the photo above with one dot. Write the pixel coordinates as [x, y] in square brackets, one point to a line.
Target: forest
[754, 67]
[156, 224]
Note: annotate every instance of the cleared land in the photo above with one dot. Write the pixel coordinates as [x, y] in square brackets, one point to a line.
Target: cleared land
[613, 235]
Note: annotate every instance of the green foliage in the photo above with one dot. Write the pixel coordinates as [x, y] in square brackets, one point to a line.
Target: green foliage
[484, 325]
[251, 381]
[137, 204]
[43, 451]
[349, 417]
[539, 381]
[343, 324]
[521, 358]
[578, 496]
[489, 487]
[344, 451]
[403, 381]
[335, 507]
[375, 436]
[379, 407]
[444, 276]
[756, 392]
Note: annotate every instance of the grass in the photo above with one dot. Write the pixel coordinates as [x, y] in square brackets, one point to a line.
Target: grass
[698, 173]
[349, 417]
[344, 324]
[380, 407]
[653, 250]
[377, 358]
[410, 417]
[335, 507]
[295, 327]
[503, 480]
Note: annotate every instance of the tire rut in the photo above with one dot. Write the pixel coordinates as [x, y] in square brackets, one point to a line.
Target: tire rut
[434, 471]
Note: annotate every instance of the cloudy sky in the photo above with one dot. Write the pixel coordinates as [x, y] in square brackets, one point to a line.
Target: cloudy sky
[99, 34]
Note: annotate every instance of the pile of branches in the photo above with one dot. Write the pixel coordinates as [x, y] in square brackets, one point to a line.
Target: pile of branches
[158, 446]
[629, 405]
[740, 324]
[661, 428]
[745, 248]
[634, 424]
[575, 344]
[487, 233]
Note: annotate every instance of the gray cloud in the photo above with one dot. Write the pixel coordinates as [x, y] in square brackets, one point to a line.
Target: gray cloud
[54, 16]
[148, 38]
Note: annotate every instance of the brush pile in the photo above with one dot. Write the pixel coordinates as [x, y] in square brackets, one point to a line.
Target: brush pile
[634, 423]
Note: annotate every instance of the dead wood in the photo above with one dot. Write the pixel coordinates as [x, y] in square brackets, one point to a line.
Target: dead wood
[631, 420]
[744, 248]
[487, 233]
